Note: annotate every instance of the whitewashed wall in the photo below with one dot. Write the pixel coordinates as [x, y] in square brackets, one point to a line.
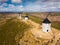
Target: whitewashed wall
[46, 27]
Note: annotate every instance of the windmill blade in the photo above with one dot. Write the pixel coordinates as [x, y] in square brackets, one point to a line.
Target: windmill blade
[48, 14]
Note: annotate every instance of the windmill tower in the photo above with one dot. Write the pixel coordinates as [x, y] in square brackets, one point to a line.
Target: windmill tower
[26, 17]
[46, 24]
[20, 15]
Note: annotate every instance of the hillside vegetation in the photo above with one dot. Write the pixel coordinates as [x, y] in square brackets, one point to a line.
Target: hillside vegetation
[10, 29]
[15, 31]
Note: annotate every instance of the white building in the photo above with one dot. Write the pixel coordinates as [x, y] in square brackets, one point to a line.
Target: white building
[46, 25]
[20, 15]
[26, 17]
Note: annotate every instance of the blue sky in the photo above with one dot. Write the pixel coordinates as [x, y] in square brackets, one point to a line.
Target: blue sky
[30, 5]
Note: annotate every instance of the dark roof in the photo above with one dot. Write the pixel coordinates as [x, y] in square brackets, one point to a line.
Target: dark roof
[46, 21]
[20, 12]
[27, 16]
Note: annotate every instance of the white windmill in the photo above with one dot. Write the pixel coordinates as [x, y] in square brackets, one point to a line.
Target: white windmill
[26, 17]
[20, 15]
[46, 25]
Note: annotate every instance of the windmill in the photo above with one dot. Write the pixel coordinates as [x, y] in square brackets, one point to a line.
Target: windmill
[20, 15]
[26, 17]
[46, 24]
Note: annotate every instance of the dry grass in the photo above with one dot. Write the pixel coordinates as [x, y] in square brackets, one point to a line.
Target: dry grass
[10, 29]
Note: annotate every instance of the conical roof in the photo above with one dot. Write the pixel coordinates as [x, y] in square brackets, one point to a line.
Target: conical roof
[20, 12]
[46, 21]
[27, 16]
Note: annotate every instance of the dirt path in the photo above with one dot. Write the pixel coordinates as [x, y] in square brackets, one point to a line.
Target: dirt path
[37, 32]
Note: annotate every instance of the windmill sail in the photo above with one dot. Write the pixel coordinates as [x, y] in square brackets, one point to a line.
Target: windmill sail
[48, 14]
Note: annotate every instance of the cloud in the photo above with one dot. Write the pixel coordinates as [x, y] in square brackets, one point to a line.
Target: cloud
[42, 7]
[36, 6]
[4, 4]
[49, 0]
[2, 1]
[32, 7]
[16, 1]
[11, 8]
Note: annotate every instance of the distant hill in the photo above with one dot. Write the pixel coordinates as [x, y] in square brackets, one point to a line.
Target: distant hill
[53, 16]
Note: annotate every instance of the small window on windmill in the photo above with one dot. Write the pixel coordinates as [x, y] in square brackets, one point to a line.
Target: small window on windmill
[47, 30]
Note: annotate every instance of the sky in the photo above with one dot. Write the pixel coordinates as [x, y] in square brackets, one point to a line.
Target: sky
[29, 5]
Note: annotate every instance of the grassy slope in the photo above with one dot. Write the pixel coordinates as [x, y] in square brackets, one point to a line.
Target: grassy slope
[56, 25]
[10, 29]
[38, 20]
